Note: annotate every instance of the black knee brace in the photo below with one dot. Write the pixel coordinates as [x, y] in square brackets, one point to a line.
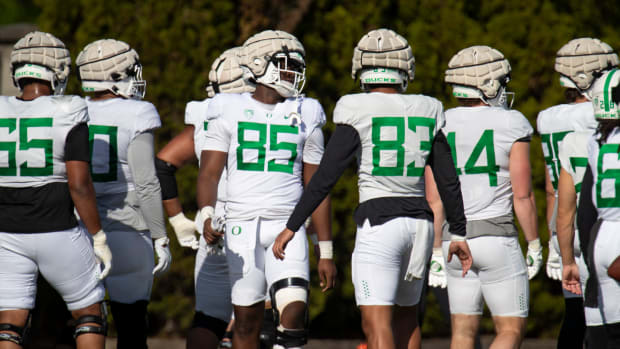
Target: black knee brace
[268, 332]
[289, 337]
[17, 338]
[213, 324]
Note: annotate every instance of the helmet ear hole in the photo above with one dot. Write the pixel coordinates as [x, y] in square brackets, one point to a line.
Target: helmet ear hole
[115, 76]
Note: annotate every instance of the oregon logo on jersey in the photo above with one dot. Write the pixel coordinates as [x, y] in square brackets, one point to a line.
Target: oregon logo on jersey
[391, 136]
[31, 146]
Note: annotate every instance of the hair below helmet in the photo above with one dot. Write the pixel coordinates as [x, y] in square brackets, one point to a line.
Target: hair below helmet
[112, 65]
[41, 56]
[382, 56]
[606, 96]
[228, 76]
[582, 60]
[483, 68]
[273, 53]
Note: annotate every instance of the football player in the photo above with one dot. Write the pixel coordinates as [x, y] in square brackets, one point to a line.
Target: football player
[394, 135]
[43, 174]
[211, 281]
[490, 149]
[270, 142]
[128, 193]
[600, 245]
[580, 62]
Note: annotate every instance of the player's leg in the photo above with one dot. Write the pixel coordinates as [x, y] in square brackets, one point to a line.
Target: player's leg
[67, 261]
[18, 285]
[573, 328]
[465, 298]
[288, 285]
[376, 324]
[213, 304]
[505, 287]
[129, 285]
[407, 332]
[246, 265]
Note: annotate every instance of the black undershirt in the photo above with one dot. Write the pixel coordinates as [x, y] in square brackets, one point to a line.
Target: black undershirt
[342, 149]
[49, 207]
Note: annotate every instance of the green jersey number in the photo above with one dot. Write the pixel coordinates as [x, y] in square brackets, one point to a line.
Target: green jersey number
[112, 133]
[26, 144]
[260, 146]
[575, 162]
[397, 145]
[609, 174]
[485, 143]
[552, 141]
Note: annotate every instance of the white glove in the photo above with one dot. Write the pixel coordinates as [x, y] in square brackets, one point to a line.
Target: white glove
[554, 262]
[164, 258]
[437, 270]
[217, 224]
[533, 258]
[184, 229]
[103, 253]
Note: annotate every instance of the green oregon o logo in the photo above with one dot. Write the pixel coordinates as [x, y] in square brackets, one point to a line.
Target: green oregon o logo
[236, 230]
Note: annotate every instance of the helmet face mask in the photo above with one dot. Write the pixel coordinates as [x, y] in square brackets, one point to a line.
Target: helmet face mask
[41, 56]
[111, 65]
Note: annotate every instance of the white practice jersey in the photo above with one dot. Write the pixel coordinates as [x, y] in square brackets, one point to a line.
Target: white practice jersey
[396, 134]
[573, 155]
[265, 149]
[554, 124]
[114, 123]
[196, 115]
[481, 139]
[605, 164]
[33, 134]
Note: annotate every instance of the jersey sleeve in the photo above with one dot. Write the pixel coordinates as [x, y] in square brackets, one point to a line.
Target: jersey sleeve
[440, 118]
[218, 133]
[314, 147]
[195, 112]
[73, 109]
[147, 119]
[565, 150]
[518, 126]
[343, 112]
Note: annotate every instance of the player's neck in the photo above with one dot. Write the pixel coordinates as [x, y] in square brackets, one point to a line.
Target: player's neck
[581, 99]
[34, 90]
[266, 95]
[384, 89]
[103, 95]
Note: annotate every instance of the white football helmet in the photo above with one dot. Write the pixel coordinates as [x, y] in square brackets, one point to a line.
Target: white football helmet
[41, 56]
[480, 72]
[111, 65]
[274, 55]
[383, 57]
[228, 76]
[606, 96]
[583, 60]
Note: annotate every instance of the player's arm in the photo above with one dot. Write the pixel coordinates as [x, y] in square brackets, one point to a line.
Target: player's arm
[176, 154]
[437, 272]
[140, 157]
[567, 206]
[586, 211]
[340, 151]
[449, 188]
[82, 191]
[549, 198]
[524, 202]
[212, 164]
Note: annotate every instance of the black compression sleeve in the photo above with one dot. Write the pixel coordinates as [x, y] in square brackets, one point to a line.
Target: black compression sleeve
[586, 212]
[167, 180]
[76, 144]
[341, 149]
[448, 183]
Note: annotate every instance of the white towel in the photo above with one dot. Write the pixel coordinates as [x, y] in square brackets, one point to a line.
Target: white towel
[421, 250]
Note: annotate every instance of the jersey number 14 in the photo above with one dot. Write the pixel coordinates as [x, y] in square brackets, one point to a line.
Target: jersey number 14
[485, 143]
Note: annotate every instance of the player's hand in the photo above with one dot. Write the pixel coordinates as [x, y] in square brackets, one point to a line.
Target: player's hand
[461, 250]
[554, 262]
[533, 258]
[437, 270]
[570, 278]
[211, 235]
[281, 241]
[103, 253]
[185, 231]
[164, 258]
[327, 274]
